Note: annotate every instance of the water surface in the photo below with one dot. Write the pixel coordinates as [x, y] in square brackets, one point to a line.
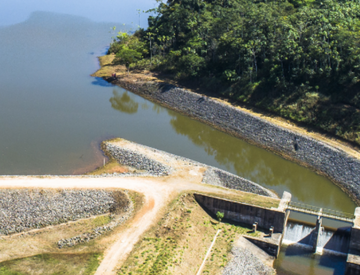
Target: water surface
[53, 114]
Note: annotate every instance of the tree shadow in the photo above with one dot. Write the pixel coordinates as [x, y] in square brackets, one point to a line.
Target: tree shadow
[123, 102]
[101, 82]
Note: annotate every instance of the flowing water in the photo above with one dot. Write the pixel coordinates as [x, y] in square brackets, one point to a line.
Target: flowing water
[330, 241]
[53, 114]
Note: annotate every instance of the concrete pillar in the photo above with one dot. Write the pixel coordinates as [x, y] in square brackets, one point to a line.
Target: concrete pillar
[317, 232]
[284, 202]
[255, 225]
[353, 258]
[271, 231]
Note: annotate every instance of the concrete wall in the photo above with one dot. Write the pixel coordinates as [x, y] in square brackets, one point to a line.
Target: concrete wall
[353, 258]
[336, 164]
[354, 246]
[244, 213]
[271, 248]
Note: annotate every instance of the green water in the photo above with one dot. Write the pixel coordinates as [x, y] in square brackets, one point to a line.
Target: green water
[53, 114]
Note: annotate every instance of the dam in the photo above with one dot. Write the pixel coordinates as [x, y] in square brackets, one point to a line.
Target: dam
[330, 232]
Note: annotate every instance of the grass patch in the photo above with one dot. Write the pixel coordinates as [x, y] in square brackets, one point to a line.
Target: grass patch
[85, 263]
[137, 199]
[101, 220]
[112, 166]
[178, 243]
[106, 66]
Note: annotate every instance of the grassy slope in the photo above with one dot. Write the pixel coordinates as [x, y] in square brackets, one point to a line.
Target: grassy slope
[84, 263]
[178, 243]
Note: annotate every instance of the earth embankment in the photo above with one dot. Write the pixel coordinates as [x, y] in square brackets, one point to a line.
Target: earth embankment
[334, 160]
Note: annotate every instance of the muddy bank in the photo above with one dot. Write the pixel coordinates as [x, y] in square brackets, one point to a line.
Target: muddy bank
[324, 158]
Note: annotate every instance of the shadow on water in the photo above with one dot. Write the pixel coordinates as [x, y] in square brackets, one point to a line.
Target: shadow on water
[123, 102]
[301, 261]
[337, 263]
[101, 82]
[296, 250]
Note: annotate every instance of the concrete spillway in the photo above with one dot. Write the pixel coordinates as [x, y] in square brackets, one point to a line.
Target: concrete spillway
[329, 241]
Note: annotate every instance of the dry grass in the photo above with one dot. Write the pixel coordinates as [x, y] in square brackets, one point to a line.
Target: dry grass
[178, 244]
[45, 240]
[112, 166]
[36, 252]
[106, 66]
[85, 263]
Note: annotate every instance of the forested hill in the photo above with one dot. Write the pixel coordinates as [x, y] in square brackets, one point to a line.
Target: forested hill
[298, 59]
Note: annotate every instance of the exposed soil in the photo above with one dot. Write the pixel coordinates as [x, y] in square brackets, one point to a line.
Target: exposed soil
[179, 242]
[158, 192]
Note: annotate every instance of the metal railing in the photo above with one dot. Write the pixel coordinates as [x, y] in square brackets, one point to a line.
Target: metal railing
[332, 212]
[325, 212]
[304, 206]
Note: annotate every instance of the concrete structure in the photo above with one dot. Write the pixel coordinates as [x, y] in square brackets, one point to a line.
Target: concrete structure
[247, 214]
[317, 233]
[317, 211]
[266, 218]
[353, 259]
[270, 245]
[244, 213]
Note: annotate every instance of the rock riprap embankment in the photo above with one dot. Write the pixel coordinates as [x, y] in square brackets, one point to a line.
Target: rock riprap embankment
[156, 162]
[24, 209]
[245, 262]
[330, 160]
[137, 160]
[116, 220]
[220, 177]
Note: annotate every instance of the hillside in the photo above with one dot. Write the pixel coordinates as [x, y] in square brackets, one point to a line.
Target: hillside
[296, 59]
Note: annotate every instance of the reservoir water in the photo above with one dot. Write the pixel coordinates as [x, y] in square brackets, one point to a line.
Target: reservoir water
[53, 114]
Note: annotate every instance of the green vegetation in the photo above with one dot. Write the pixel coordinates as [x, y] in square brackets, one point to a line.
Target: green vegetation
[85, 263]
[101, 220]
[179, 242]
[296, 58]
[219, 216]
[128, 49]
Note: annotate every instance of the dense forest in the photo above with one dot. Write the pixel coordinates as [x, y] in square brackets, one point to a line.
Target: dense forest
[299, 59]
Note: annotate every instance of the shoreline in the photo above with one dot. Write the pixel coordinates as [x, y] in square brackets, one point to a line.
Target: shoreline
[336, 161]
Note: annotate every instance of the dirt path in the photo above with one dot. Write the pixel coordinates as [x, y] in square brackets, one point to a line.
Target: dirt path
[158, 193]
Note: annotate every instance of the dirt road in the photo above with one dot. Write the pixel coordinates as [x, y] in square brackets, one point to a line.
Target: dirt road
[157, 191]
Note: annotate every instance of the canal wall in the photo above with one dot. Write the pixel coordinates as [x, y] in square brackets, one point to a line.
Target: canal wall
[334, 163]
[244, 213]
[249, 214]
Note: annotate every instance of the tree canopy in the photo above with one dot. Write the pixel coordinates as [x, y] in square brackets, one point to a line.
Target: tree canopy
[297, 58]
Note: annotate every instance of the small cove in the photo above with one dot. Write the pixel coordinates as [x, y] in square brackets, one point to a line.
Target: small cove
[54, 115]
